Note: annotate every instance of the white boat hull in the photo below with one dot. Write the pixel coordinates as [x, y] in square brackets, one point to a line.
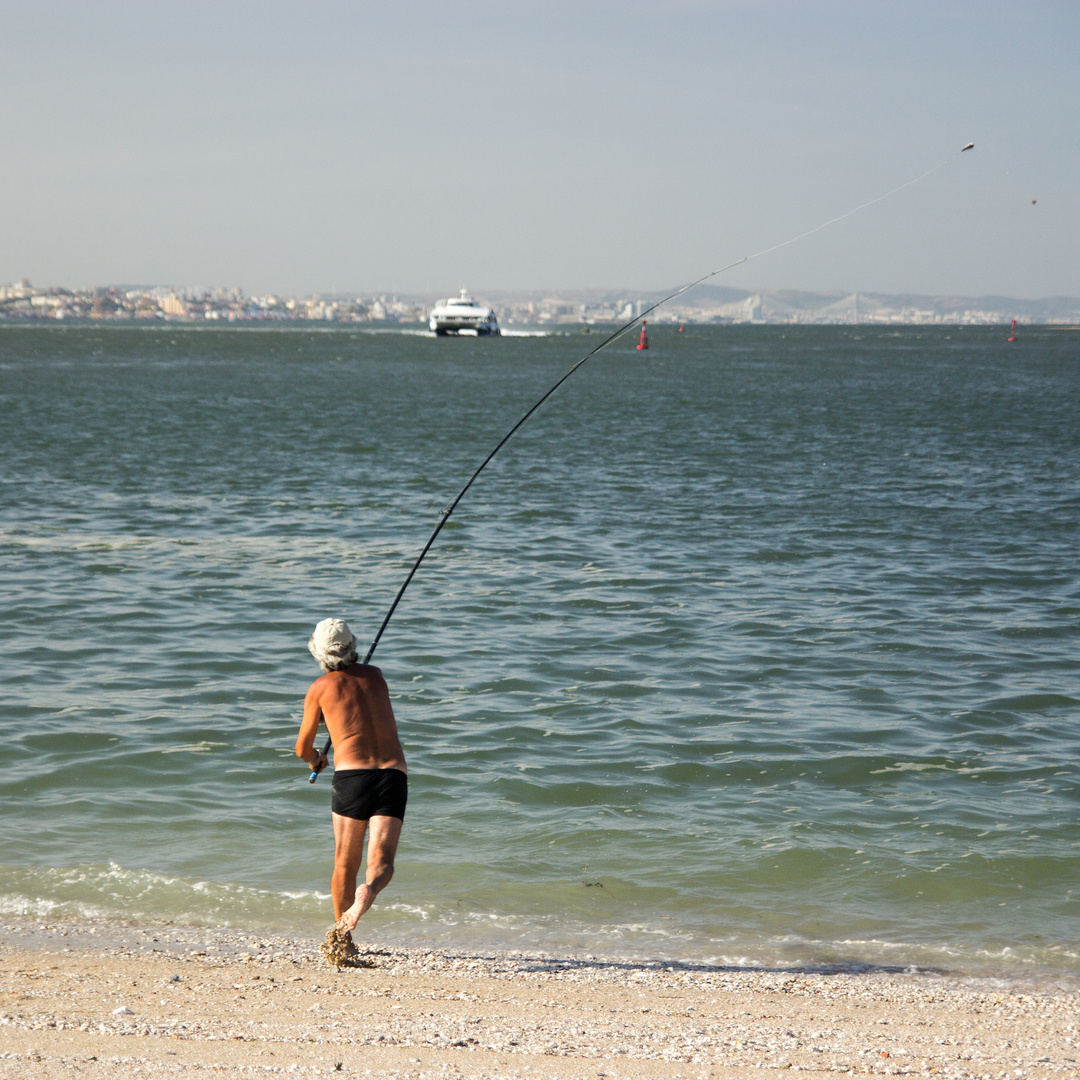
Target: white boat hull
[463, 317]
[448, 327]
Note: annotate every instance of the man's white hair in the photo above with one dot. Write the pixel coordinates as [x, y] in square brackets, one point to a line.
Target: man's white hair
[333, 645]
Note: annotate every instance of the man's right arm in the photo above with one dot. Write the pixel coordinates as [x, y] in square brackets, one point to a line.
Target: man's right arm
[309, 728]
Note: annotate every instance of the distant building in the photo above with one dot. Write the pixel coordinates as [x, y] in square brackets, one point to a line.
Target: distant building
[173, 305]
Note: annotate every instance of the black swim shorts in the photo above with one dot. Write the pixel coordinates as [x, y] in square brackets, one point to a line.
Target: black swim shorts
[366, 793]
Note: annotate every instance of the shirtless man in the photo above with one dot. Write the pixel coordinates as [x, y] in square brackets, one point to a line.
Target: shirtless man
[370, 784]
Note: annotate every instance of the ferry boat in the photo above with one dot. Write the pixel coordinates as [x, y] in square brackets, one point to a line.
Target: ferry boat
[462, 315]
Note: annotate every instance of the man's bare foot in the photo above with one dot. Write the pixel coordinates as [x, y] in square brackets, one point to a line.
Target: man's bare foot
[365, 897]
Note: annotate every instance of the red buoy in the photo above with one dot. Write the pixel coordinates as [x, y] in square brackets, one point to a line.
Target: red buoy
[643, 341]
[1012, 331]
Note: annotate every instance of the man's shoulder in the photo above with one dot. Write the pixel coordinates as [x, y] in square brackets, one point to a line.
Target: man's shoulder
[359, 671]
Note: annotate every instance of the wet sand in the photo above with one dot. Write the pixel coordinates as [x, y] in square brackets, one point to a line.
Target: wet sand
[126, 1001]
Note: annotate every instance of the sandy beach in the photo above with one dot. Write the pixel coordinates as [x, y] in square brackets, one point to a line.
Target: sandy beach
[117, 1001]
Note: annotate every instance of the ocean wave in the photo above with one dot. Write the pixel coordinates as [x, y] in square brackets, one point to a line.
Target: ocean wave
[104, 892]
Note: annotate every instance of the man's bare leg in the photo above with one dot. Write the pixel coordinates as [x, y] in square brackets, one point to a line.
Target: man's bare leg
[348, 855]
[382, 847]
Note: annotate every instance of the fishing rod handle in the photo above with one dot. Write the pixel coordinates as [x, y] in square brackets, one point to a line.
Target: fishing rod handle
[326, 754]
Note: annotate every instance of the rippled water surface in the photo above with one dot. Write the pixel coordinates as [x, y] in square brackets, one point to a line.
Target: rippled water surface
[762, 644]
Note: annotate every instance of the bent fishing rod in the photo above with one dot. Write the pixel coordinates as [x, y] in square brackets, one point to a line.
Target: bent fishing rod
[444, 514]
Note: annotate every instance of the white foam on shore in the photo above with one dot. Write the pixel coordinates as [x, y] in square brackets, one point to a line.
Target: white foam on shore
[36, 907]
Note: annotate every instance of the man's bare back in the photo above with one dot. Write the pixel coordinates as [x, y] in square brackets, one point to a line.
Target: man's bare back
[370, 786]
[354, 703]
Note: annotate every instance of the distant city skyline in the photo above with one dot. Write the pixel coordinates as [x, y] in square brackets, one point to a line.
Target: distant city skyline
[416, 147]
[705, 304]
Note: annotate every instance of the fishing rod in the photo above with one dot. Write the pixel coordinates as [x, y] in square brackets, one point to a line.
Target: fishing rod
[444, 515]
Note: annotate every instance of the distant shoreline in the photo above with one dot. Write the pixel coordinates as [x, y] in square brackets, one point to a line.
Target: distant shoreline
[702, 305]
[511, 331]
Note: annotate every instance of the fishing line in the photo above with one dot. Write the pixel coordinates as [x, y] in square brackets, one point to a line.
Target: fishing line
[444, 514]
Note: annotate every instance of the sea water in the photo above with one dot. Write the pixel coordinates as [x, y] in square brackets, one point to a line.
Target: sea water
[759, 646]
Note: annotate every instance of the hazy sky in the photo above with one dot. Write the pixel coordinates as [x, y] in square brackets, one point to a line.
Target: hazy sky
[416, 145]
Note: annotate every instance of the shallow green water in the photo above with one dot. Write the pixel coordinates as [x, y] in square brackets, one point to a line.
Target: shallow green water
[759, 645]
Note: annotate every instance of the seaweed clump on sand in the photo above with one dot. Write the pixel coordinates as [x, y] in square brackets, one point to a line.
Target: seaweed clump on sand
[339, 949]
